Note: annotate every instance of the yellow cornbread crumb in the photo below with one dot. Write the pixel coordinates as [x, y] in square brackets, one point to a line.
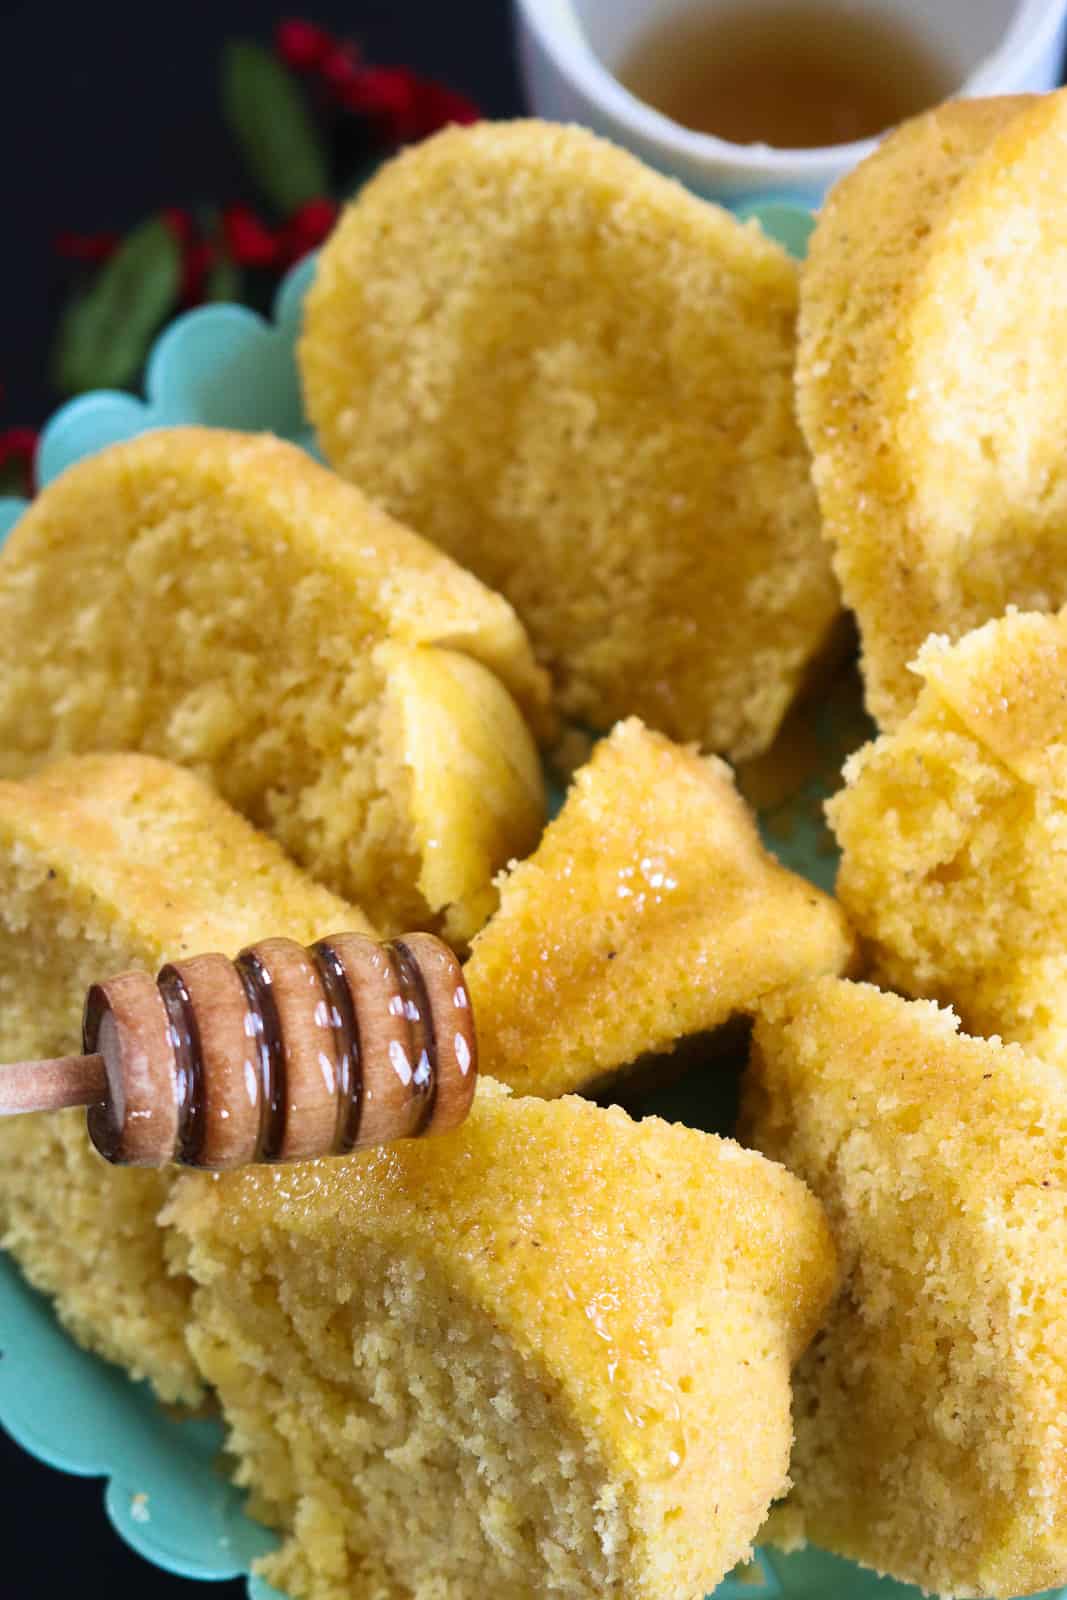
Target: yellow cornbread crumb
[929, 1411]
[219, 599]
[953, 834]
[577, 378]
[650, 911]
[933, 336]
[108, 863]
[546, 1355]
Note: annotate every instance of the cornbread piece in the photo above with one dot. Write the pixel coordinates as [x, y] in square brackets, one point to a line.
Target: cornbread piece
[929, 1410]
[953, 834]
[650, 911]
[546, 1356]
[219, 599]
[578, 379]
[933, 336]
[110, 863]
[475, 785]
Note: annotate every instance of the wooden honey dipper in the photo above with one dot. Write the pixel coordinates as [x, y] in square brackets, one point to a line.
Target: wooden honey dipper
[280, 1055]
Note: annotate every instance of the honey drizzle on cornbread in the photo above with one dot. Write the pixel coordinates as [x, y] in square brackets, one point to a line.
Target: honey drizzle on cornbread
[651, 1461]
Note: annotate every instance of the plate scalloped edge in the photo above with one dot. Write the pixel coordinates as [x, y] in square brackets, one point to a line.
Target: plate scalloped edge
[165, 1495]
[217, 365]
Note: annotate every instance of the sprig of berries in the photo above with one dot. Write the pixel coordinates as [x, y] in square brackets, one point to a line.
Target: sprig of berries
[279, 103]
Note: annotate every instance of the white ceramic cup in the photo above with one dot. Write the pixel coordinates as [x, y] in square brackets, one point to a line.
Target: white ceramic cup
[568, 50]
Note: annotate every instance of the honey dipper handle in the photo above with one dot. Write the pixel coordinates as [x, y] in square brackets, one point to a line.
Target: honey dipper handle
[284, 1054]
[52, 1085]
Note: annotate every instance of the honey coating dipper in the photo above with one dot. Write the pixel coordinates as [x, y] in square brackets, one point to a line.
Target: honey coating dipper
[281, 1055]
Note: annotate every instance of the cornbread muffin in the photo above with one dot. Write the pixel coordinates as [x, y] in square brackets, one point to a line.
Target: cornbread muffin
[953, 830]
[547, 1357]
[109, 863]
[577, 379]
[650, 911]
[933, 336]
[219, 599]
[929, 1410]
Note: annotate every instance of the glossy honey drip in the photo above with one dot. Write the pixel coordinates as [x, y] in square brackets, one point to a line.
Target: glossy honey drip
[419, 1014]
[264, 1028]
[189, 1075]
[343, 1020]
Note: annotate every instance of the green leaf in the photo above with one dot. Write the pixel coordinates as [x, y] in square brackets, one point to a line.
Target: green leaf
[224, 281]
[105, 333]
[268, 115]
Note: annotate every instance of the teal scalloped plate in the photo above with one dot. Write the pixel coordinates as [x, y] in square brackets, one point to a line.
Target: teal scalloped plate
[166, 1493]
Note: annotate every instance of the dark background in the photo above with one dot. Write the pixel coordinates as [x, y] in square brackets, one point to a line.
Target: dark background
[108, 112]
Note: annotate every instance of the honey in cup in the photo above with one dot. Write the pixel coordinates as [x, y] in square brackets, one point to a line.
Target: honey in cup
[795, 76]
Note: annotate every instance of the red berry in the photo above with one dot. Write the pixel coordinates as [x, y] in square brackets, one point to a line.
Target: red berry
[302, 45]
[389, 95]
[248, 240]
[405, 106]
[315, 219]
[340, 67]
[437, 106]
[307, 228]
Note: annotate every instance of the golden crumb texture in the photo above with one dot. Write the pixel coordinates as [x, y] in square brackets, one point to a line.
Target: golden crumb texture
[221, 600]
[109, 863]
[546, 1355]
[649, 912]
[953, 833]
[933, 336]
[929, 1409]
[577, 379]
